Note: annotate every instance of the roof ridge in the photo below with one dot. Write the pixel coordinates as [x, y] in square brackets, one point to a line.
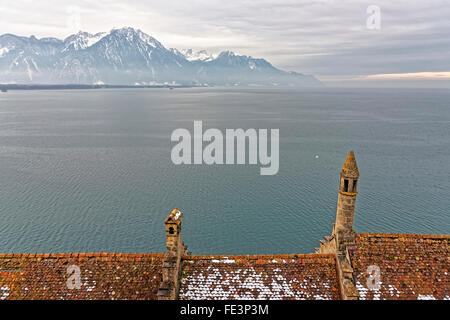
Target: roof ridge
[256, 257]
[79, 255]
[405, 235]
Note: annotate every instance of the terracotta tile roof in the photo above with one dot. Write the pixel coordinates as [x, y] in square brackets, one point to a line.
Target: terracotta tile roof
[102, 276]
[411, 266]
[307, 276]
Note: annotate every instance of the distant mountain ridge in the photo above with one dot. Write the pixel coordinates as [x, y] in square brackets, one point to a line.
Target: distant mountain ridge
[131, 57]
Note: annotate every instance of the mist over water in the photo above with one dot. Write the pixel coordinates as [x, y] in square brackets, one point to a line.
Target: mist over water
[90, 170]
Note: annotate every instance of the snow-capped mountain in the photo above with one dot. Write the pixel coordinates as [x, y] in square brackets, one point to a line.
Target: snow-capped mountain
[82, 40]
[129, 56]
[201, 55]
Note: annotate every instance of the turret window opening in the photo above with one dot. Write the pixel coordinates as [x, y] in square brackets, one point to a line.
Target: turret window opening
[346, 185]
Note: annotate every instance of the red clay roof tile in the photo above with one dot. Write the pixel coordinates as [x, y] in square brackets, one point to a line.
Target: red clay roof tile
[103, 276]
[411, 266]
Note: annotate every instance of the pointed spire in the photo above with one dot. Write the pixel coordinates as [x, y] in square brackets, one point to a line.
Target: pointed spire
[350, 168]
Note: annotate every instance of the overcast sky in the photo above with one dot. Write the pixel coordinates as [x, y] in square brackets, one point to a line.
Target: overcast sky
[327, 38]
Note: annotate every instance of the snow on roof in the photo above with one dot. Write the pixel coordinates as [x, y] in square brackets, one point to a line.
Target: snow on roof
[299, 277]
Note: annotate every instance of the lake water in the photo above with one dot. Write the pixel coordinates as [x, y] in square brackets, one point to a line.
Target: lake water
[90, 170]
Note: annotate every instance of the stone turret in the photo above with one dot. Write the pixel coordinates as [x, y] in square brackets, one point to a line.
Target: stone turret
[345, 214]
[343, 236]
[343, 233]
[175, 249]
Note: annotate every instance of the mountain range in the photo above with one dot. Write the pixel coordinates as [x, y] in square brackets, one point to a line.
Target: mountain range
[128, 56]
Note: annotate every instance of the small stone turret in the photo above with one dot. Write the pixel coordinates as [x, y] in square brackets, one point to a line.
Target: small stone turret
[173, 232]
[175, 251]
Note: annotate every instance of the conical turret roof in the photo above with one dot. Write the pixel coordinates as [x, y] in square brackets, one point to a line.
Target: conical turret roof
[350, 168]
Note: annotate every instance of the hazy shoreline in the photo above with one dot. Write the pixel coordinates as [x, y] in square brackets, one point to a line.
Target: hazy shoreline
[85, 86]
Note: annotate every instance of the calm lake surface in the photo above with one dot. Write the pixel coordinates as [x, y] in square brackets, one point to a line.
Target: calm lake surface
[90, 170]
